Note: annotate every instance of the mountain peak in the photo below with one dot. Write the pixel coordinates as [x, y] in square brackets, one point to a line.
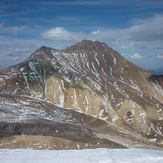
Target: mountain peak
[43, 48]
[42, 51]
[88, 45]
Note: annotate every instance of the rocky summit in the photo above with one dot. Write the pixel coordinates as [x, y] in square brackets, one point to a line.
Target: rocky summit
[84, 96]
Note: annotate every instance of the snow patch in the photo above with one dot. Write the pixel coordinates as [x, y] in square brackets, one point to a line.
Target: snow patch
[81, 156]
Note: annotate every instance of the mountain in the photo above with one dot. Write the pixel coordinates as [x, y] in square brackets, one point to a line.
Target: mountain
[86, 94]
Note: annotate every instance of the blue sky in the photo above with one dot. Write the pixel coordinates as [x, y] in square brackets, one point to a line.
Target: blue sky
[133, 27]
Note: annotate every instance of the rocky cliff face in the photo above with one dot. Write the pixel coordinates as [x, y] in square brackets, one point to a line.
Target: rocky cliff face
[88, 79]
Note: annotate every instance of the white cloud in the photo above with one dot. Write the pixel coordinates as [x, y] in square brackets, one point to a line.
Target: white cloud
[159, 56]
[78, 2]
[144, 30]
[147, 30]
[59, 33]
[95, 32]
[136, 56]
[11, 29]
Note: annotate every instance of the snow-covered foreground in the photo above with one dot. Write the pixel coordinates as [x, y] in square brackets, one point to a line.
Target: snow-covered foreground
[81, 156]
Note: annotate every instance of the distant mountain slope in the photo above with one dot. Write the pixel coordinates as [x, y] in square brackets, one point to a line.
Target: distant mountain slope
[93, 79]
